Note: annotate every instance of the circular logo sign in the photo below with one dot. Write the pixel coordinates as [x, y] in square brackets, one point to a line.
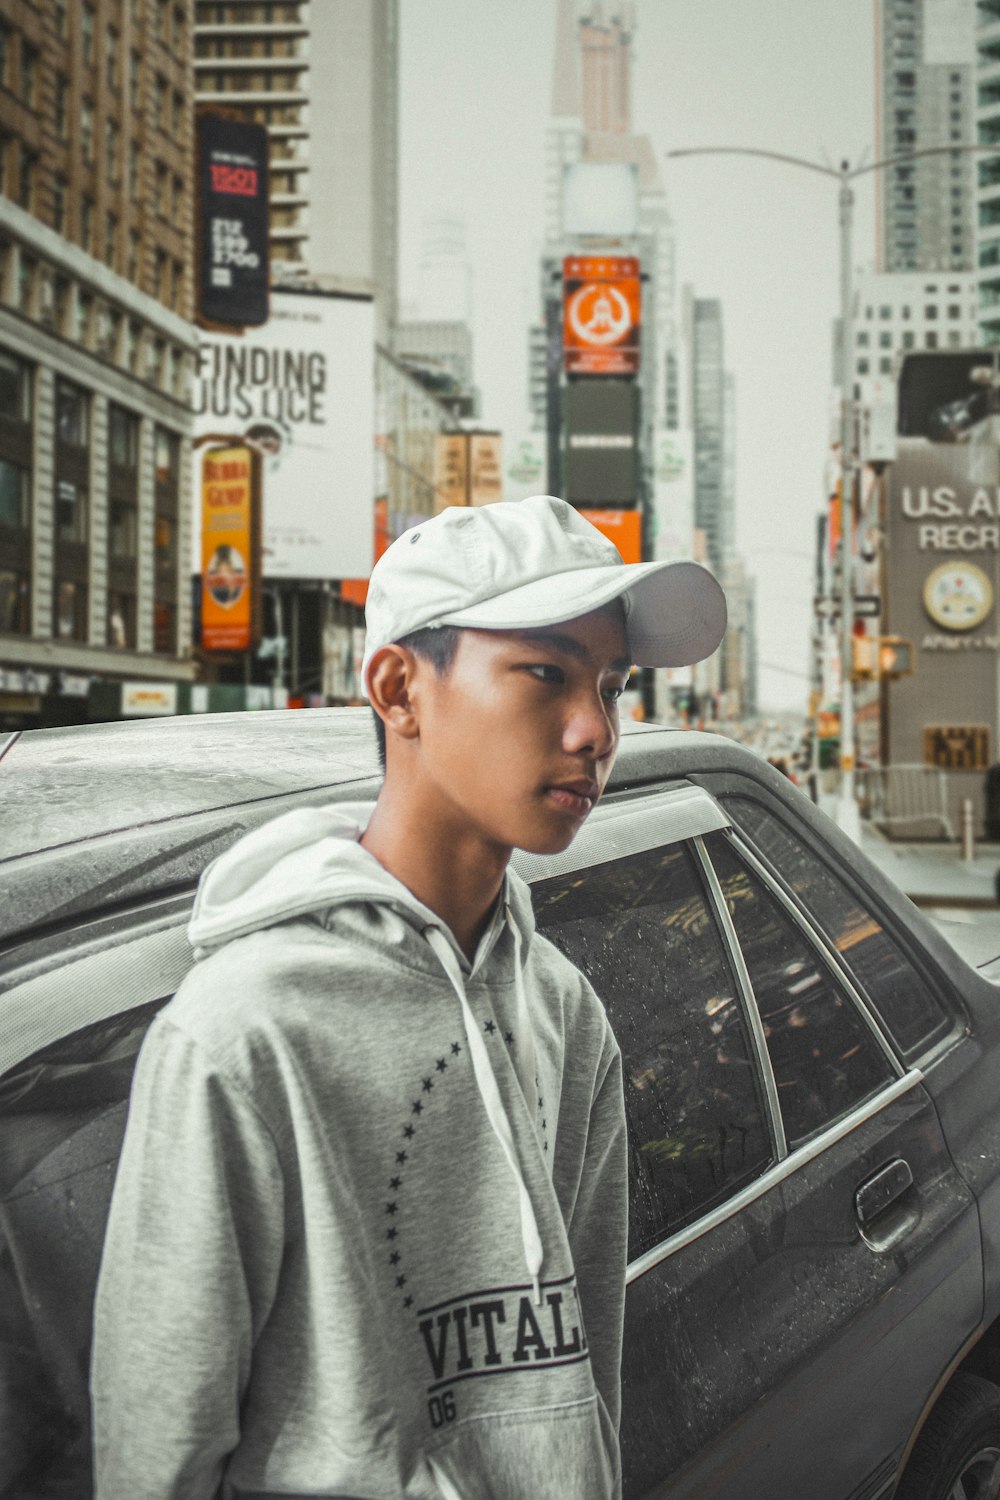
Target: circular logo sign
[599, 314]
[958, 596]
[226, 575]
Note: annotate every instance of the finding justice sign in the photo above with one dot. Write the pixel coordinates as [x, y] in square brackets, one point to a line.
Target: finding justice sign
[601, 320]
[232, 207]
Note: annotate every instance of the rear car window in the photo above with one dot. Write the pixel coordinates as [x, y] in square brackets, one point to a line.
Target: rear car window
[906, 1003]
[825, 1058]
[62, 1120]
[642, 931]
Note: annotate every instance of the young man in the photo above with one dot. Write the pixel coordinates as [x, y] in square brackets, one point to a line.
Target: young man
[368, 1232]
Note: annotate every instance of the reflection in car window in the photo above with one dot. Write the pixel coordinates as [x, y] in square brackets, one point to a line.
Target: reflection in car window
[642, 932]
[899, 994]
[62, 1118]
[825, 1058]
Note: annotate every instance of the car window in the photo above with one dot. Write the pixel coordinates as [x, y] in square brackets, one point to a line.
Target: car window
[825, 1057]
[896, 990]
[62, 1119]
[642, 931]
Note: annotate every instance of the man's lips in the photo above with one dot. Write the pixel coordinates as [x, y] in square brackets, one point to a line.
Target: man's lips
[576, 796]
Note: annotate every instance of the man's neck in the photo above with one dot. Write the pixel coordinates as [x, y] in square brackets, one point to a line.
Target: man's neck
[445, 864]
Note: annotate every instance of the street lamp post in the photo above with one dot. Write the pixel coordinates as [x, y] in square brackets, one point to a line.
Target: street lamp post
[847, 807]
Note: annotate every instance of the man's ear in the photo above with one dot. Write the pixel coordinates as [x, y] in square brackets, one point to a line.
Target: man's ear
[389, 679]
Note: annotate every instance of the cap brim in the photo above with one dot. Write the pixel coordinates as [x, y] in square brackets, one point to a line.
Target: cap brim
[675, 611]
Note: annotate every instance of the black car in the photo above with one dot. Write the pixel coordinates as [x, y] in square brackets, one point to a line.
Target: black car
[811, 1074]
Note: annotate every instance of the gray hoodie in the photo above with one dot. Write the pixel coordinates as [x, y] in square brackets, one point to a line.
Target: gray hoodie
[368, 1232]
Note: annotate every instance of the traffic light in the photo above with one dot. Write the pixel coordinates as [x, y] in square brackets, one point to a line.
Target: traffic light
[880, 656]
[895, 656]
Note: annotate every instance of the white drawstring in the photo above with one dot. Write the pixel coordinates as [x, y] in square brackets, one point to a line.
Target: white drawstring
[524, 1041]
[492, 1102]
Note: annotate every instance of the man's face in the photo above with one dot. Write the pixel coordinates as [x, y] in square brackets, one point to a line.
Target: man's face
[520, 733]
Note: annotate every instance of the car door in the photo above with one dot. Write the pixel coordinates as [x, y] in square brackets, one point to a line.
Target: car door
[774, 1343]
[74, 1008]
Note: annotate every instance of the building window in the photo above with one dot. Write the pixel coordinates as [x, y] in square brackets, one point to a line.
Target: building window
[132, 261]
[954, 311]
[885, 312]
[160, 101]
[123, 438]
[15, 601]
[59, 205]
[15, 497]
[162, 190]
[87, 130]
[110, 238]
[71, 609]
[87, 36]
[111, 57]
[862, 367]
[15, 389]
[26, 176]
[87, 224]
[134, 158]
[885, 340]
[954, 339]
[885, 365]
[29, 74]
[177, 116]
[909, 340]
[134, 81]
[111, 144]
[930, 311]
[71, 415]
[71, 512]
[61, 101]
[931, 340]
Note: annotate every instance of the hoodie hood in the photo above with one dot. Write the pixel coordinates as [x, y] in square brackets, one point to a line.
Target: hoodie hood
[311, 860]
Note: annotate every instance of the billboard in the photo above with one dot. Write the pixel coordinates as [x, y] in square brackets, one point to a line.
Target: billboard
[301, 390]
[944, 396]
[232, 222]
[602, 442]
[623, 527]
[601, 315]
[451, 470]
[600, 198]
[485, 468]
[942, 521]
[229, 549]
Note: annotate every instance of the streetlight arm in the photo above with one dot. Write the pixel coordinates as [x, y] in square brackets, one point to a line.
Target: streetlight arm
[795, 161]
[901, 161]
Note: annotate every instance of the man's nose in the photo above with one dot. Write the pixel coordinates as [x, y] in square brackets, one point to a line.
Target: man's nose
[592, 726]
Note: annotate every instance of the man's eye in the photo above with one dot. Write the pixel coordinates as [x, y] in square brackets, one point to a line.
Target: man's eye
[546, 672]
[615, 691]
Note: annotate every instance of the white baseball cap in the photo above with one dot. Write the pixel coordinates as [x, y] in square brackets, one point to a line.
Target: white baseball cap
[529, 563]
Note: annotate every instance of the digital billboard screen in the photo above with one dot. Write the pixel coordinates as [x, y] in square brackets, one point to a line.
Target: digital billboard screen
[232, 219]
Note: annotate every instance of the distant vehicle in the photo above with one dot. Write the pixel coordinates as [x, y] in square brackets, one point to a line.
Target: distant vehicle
[811, 1081]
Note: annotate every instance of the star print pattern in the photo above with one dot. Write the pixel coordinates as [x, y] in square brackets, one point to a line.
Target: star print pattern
[409, 1132]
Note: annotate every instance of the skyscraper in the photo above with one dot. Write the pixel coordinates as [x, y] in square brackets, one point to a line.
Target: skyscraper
[95, 352]
[323, 78]
[925, 97]
[988, 167]
[710, 397]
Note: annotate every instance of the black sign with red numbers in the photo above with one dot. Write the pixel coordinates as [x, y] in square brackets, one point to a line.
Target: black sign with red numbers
[233, 271]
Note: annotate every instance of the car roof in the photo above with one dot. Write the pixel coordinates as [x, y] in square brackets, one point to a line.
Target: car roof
[96, 816]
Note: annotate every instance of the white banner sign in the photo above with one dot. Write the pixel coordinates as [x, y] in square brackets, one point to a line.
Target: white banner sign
[302, 390]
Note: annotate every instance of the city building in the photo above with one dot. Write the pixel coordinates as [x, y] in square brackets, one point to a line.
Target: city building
[713, 496]
[439, 353]
[988, 167]
[95, 351]
[925, 97]
[323, 78]
[897, 313]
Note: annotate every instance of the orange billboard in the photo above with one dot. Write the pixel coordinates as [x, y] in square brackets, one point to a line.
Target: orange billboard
[601, 314]
[623, 527]
[227, 549]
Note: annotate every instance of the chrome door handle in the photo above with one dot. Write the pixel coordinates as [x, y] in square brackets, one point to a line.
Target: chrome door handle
[881, 1190]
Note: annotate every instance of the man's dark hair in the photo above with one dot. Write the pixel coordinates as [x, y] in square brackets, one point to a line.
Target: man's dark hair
[437, 644]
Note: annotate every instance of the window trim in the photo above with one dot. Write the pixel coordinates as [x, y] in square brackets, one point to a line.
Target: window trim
[773, 1175]
[827, 952]
[734, 952]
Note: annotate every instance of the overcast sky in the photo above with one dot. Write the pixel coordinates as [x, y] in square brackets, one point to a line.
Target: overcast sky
[786, 75]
